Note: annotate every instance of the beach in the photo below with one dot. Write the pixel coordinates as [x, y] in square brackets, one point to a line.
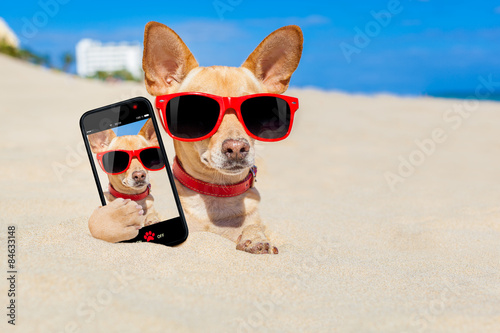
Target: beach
[385, 210]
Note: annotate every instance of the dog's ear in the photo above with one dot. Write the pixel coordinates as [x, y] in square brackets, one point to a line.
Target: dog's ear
[100, 141]
[166, 60]
[276, 58]
[148, 132]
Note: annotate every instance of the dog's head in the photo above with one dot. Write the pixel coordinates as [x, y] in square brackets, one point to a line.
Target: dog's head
[136, 178]
[170, 67]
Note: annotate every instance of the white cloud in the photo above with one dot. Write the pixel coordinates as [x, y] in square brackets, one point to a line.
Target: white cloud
[307, 21]
[497, 10]
[203, 30]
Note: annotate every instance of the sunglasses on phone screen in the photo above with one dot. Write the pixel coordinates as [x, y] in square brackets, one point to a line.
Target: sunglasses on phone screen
[194, 116]
[114, 162]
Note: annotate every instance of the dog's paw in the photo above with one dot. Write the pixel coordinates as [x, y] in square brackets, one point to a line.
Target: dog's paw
[118, 221]
[127, 213]
[151, 218]
[253, 240]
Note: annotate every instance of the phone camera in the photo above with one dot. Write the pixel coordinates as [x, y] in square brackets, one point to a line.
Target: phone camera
[124, 112]
[105, 123]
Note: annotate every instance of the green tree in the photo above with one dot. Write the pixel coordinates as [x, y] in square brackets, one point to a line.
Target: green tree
[122, 75]
[24, 54]
[67, 59]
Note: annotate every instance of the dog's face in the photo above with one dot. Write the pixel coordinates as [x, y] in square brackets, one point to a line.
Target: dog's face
[136, 178]
[230, 150]
[170, 67]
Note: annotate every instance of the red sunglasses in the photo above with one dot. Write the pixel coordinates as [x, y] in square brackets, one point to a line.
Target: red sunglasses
[195, 116]
[114, 162]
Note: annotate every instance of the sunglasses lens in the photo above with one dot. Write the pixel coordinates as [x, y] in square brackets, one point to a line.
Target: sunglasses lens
[151, 158]
[115, 161]
[191, 116]
[266, 117]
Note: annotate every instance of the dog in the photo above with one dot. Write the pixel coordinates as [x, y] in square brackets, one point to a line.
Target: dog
[225, 159]
[129, 192]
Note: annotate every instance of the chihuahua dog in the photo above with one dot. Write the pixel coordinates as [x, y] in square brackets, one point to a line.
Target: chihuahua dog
[129, 191]
[225, 160]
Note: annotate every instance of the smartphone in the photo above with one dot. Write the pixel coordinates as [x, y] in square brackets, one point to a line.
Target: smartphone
[129, 161]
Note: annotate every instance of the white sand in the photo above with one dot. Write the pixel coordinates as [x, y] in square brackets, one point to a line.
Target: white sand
[354, 255]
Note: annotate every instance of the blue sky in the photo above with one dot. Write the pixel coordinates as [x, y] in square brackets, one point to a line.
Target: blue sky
[129, 129]
[423, 47]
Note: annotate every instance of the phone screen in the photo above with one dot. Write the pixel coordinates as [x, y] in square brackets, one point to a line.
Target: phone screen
[129, 161]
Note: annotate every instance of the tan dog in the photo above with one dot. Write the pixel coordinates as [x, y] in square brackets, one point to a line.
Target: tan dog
[122, 218]
[226, 157]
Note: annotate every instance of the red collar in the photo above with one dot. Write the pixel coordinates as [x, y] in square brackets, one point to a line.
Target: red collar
[135, 197]
[214, 190]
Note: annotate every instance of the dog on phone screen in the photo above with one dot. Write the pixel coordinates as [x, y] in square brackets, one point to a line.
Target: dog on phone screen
[132, 205]
[227, 157]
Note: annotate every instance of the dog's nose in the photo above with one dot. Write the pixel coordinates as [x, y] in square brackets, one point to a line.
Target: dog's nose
[139, 175]
[235, 149]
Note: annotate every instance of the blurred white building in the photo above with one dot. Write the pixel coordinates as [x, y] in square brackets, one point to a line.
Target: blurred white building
[7, 35]
[93, 56]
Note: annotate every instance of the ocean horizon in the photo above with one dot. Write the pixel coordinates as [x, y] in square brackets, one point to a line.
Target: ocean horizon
[465, 95]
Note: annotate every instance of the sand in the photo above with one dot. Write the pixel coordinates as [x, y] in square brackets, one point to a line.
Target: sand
[355, 254]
